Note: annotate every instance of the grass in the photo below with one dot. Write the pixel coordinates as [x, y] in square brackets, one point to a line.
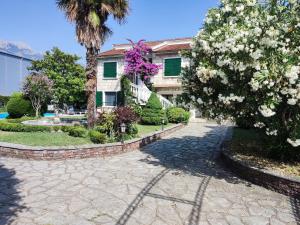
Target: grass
[42, 139]
[147, 129]
[249, 146]
[59, 138]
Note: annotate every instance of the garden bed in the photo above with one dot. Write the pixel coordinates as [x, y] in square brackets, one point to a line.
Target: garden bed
[248, 146]
[245, 156]
[81, 151]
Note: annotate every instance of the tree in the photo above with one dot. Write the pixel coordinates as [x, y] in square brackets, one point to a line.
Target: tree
[67, 76]
[246, 65]
[153, 112]
[137, 62]
[90, 19]
[38, 88]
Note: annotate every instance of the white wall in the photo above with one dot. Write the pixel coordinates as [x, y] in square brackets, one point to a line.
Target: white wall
[158, 80]
[105, 84]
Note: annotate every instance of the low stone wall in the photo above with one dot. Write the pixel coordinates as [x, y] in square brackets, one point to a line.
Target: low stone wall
[83, 151]
[285, 185]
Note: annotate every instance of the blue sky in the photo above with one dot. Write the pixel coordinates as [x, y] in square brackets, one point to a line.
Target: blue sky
[41, 25]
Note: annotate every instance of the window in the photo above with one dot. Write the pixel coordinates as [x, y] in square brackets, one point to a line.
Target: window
[110, 70]
[110, 98]
[172, 67]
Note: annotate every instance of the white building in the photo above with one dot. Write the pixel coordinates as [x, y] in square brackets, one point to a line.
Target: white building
[166, 83]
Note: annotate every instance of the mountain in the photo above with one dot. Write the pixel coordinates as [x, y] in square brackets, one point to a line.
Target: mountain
[19, 49]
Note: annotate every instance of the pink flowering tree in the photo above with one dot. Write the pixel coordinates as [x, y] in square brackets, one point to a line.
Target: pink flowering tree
[137, 62]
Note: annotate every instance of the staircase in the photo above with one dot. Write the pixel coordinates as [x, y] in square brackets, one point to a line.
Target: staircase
[142, 94]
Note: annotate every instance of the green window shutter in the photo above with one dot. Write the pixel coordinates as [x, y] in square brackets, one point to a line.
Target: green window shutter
[110, 70]
[172, 67]
[99, 98]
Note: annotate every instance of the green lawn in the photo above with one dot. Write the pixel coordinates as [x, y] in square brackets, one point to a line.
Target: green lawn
[147, 129]
[42, 139]
[61, 139]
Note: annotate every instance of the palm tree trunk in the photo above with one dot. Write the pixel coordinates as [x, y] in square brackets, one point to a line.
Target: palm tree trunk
[91, 85]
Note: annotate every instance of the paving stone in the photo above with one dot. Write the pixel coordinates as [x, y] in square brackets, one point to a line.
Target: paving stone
[174, 181]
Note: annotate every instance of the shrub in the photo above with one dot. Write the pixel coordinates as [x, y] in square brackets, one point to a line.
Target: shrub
[17, 127]
[17, 106]
[19, 120]
[153, 102]
[97, 137]
[132, 130]
[137, 109]
[77, 131]
[152, 113]
[244, 66]
[125, 115]
[177, 115]
[106, 122]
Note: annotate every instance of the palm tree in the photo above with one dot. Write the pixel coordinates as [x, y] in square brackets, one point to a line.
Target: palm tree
[90, 17]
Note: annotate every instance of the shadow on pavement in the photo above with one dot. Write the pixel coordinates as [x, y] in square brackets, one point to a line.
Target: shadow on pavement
[191, 155]
[9, 196]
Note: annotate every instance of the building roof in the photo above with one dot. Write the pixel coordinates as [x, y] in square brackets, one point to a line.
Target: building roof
[162, 46]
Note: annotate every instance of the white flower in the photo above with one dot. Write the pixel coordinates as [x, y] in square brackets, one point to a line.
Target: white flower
[266, 111]
[259, 125]
[292, 101]
[271, 132]
[292, 74]
[199, 100]
[295, 143]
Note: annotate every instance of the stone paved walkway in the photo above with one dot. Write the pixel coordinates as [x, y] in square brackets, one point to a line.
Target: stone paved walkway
[172, 182]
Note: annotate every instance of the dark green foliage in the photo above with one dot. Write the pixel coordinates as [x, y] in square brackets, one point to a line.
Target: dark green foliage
[153, 102]
[132, 130]
[97, 137]
[153, 116]
[77, 131]
[255, 142]
[4, 100]
[18, 127]
[177, 115]
[17, 106]
[153, 113]
[125, 94]
[67, 75]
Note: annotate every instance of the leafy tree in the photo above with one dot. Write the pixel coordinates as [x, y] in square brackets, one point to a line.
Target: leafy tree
[90, 19]
[245, 65]
[38, 88]
[67, 76]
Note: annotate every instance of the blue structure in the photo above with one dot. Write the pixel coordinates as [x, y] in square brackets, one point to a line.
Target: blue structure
[13, 70]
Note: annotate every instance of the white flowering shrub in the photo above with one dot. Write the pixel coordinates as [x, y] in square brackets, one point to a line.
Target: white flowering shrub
[246, 66]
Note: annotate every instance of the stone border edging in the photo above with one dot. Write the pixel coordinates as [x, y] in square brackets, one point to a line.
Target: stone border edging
[83, 151]
[284, 185]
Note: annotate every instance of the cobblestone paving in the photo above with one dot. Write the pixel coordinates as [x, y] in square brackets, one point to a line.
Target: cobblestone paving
[172, 182]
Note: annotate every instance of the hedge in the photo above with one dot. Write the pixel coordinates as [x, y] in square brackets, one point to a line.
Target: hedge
[17, 127]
